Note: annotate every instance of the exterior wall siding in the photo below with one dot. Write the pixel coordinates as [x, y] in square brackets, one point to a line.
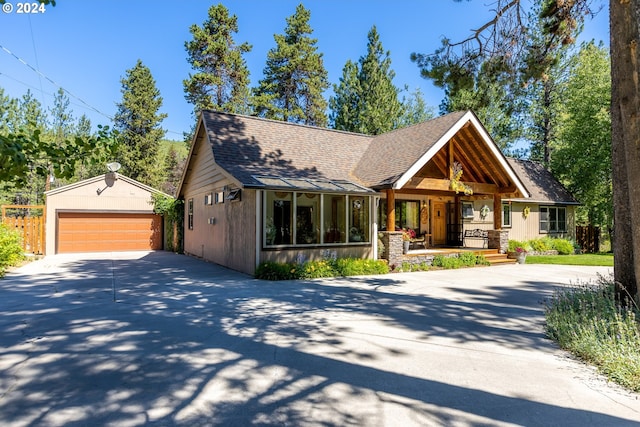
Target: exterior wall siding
[529, 228]
[292, 255]
[223, 233]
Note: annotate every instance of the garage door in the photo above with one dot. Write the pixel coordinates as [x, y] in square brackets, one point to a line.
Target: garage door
[98, 232]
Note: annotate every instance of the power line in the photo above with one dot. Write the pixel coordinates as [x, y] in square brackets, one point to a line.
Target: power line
[54, 83]
[35, 70]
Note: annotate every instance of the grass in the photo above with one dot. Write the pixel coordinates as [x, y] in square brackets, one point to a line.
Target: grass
[585, 320]
[600, 259]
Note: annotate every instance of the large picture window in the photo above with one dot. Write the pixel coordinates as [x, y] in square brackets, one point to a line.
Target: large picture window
[301, 218]
[553, 219]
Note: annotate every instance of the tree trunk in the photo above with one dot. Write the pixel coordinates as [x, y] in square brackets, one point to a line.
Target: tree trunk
[625, 143]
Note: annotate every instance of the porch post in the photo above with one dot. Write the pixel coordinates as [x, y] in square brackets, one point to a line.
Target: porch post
[497, 211]
[391, 210]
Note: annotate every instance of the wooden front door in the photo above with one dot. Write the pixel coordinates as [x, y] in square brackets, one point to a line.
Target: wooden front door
[439, 223]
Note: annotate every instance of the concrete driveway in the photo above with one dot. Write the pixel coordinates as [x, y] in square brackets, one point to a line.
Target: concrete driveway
[130, 339]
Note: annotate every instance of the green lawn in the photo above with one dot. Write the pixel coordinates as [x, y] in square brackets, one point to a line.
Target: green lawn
[601, 259]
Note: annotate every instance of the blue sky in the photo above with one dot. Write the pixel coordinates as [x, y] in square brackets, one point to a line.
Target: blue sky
[87, 46]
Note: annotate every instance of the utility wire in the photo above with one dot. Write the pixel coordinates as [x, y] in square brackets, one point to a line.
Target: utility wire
[54, 83]
[87, 105]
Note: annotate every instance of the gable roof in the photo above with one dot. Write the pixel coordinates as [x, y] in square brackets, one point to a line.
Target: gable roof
[257, 151]
[396, 157]
[542, 185]
[392, 154]
[100, 179]
[262, 153]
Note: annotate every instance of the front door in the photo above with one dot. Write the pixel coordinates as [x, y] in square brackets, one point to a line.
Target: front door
[439, 223]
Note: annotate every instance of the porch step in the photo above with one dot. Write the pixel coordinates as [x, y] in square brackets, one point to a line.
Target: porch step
[496, 258]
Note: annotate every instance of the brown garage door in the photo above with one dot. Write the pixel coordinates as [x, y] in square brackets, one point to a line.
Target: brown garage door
[97, 232]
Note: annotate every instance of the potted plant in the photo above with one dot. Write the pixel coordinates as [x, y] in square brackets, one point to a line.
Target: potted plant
[521, 254]
[407, 235]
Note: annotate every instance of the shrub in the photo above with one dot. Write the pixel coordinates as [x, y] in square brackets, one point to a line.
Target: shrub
[586, 320]
[513, 244]
[320, 268]
[563, 246]
[445, 262]
[11, 252]
[467, 259]
[276, 271]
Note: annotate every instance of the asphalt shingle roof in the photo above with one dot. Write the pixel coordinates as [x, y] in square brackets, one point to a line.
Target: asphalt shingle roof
[247, 147]
[542, 185]
[390, 155]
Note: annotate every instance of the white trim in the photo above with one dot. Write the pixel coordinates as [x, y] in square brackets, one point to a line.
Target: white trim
[467, 117]
[259, 231]
[101, 178]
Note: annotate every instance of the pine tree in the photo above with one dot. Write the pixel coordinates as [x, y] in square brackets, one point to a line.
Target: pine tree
[221, 78]
[138, 121]
[62, 121]
[294, 77]
[344, 102]
[380, 109]
[366, 99]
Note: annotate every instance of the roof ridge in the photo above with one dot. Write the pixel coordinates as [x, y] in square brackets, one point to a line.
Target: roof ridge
[264, 119]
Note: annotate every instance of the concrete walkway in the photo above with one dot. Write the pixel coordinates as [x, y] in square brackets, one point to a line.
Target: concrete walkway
[132, 339]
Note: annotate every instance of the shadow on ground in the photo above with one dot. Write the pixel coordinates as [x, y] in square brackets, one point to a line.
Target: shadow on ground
[170, 340]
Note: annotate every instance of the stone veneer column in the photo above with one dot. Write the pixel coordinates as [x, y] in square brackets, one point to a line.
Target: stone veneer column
[499, 239]
[392, 241]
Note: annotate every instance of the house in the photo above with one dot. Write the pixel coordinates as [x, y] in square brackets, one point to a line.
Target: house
[109, 212]
[261, 190]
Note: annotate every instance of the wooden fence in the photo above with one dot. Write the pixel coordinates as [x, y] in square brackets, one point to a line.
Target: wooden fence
[588, 237]
[31, 227]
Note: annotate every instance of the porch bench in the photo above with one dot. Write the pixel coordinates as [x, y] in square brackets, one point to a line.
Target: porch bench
[477, 234]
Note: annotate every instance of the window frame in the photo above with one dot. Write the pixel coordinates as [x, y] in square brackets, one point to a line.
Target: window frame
[510, 215]
[345, 217]
[550, 216]
[190, 214]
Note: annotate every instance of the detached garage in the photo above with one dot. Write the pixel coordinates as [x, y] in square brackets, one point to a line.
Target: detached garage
[106, 213]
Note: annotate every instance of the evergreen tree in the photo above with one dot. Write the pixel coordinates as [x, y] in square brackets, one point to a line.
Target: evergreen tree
[221, 78]
[62, 121]
[294, 77]
[138, 121]
[379, 108]
[415, 109]
[365, 100]
[344, 102]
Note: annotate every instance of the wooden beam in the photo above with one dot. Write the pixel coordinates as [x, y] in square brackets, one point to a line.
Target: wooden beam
[497, 212]
[391, 210]
[450, 158]
[444, 185]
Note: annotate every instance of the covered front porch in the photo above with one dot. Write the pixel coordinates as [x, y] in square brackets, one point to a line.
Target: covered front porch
[450, 198]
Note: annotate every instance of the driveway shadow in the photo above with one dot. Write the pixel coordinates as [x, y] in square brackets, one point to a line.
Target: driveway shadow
[170, 340]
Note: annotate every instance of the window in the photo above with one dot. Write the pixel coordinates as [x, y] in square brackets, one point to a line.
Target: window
[506, 214]
[467, 210]
[334, 214]
[297, 218]
[190, 214]
[553, 219]
[407, 214]
[278, 218]
[359, 219]
[307, 218]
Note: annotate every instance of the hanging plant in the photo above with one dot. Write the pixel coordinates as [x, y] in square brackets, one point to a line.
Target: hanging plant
[484, 211]
[455, 183]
